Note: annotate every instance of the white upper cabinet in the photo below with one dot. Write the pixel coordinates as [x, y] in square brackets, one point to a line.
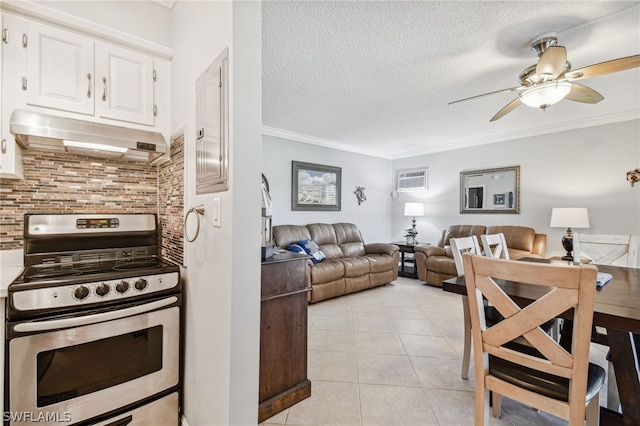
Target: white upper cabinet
[125, 84]
[70, 72]
[60, 69]
[13, 55]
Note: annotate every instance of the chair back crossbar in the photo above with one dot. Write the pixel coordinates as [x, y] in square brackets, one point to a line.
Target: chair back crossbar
[495, 245]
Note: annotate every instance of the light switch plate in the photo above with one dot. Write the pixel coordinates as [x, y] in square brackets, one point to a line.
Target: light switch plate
[217, 220]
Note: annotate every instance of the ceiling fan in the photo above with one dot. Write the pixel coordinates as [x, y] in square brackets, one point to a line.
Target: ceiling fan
[551, 79]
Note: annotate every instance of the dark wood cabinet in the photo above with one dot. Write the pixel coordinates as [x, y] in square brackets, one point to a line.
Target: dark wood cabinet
[283, 334]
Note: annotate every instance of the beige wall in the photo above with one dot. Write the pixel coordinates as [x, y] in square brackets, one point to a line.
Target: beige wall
[577, 168]
[373, 216]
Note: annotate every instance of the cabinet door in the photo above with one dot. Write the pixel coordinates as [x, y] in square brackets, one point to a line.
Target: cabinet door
[283, 334]
[125, 84]
[3, 140]
[12, 69]
[59, 69]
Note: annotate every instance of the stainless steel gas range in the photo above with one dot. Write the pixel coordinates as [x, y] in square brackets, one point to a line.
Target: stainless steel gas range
[93, 324]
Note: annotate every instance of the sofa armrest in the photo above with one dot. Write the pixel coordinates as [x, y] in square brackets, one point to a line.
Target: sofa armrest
[430, 250]
[539, 245]
[381, 248]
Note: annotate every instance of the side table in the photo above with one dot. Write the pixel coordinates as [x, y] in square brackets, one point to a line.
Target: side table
[407, 267]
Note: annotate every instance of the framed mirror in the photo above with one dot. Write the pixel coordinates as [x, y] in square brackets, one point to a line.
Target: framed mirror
[490, 190]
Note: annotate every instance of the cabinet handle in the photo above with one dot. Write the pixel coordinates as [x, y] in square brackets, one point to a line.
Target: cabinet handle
[104, 94]
[89, 85]
[5, 36]
[25, 40]
[4, 146]
[24, 83]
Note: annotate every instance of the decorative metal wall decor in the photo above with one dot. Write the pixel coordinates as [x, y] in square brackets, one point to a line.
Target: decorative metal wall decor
[360, 196]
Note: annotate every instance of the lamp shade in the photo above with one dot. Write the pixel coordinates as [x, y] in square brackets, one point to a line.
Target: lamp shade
[413, 209]
[545, 95]
[569, 217]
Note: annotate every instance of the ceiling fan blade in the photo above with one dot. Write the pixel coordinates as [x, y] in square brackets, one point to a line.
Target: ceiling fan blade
[511, 89]
[507, 109]
[587, 95]
[602, 68]
[551, 63]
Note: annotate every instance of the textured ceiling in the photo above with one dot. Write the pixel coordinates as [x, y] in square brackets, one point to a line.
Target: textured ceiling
[376, 77]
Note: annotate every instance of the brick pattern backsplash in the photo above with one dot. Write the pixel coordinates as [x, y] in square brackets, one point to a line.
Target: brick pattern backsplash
[65, 183]
[171, 202]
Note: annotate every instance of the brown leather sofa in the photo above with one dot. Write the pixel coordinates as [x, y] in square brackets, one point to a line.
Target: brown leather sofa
[350, 265]
[435, 263]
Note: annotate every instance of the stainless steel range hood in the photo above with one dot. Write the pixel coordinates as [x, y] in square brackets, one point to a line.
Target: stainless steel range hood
[37, 131]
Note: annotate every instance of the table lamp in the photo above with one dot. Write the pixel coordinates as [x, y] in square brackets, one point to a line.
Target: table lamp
[413, 209]
[569, 217]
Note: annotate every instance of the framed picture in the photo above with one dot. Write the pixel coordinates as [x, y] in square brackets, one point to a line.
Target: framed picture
[498, 199]
[315, 187]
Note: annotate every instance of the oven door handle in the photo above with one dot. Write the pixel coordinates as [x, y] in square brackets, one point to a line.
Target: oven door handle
[92, 319]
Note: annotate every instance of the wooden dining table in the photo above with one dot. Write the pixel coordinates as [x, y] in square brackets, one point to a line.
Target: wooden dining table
[616, 308]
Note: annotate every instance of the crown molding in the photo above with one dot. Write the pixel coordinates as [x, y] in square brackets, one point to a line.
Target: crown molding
[326, 143]
[166, 3]
[633, 114]
[48, 15]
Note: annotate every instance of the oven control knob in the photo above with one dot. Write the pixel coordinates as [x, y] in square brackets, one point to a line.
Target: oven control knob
[103, 289]
[140, 284]
[122, 286]
[81, 292]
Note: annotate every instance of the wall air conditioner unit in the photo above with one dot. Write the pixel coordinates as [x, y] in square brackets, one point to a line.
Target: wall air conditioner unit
[412, 180]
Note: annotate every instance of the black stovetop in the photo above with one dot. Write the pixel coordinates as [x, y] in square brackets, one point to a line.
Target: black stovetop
[55, 274]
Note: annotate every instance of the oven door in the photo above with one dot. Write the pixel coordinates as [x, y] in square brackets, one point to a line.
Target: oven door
[76, 368]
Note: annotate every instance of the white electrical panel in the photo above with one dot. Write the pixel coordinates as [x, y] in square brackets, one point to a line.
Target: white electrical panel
[212, 127]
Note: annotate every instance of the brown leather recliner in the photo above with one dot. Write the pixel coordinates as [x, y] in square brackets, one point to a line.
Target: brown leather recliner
[435, 263]
[350, 264]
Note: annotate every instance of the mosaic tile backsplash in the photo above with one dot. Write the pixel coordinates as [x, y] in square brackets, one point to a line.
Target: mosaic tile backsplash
[65, 183]
[171, 203]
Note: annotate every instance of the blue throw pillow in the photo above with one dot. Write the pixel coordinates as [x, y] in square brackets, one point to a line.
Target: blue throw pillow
[296, 248]
[312, 249]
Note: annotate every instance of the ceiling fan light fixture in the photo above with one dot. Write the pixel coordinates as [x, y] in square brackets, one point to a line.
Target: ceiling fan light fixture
[544, 95]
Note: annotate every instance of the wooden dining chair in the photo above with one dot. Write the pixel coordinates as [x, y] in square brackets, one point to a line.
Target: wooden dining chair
[470, 244]
[494, 245]
[463, 245]
[543, 375]
[459, 246]
[606, 249]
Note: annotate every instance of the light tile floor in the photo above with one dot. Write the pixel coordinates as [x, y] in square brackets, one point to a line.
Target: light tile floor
[392, 356]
